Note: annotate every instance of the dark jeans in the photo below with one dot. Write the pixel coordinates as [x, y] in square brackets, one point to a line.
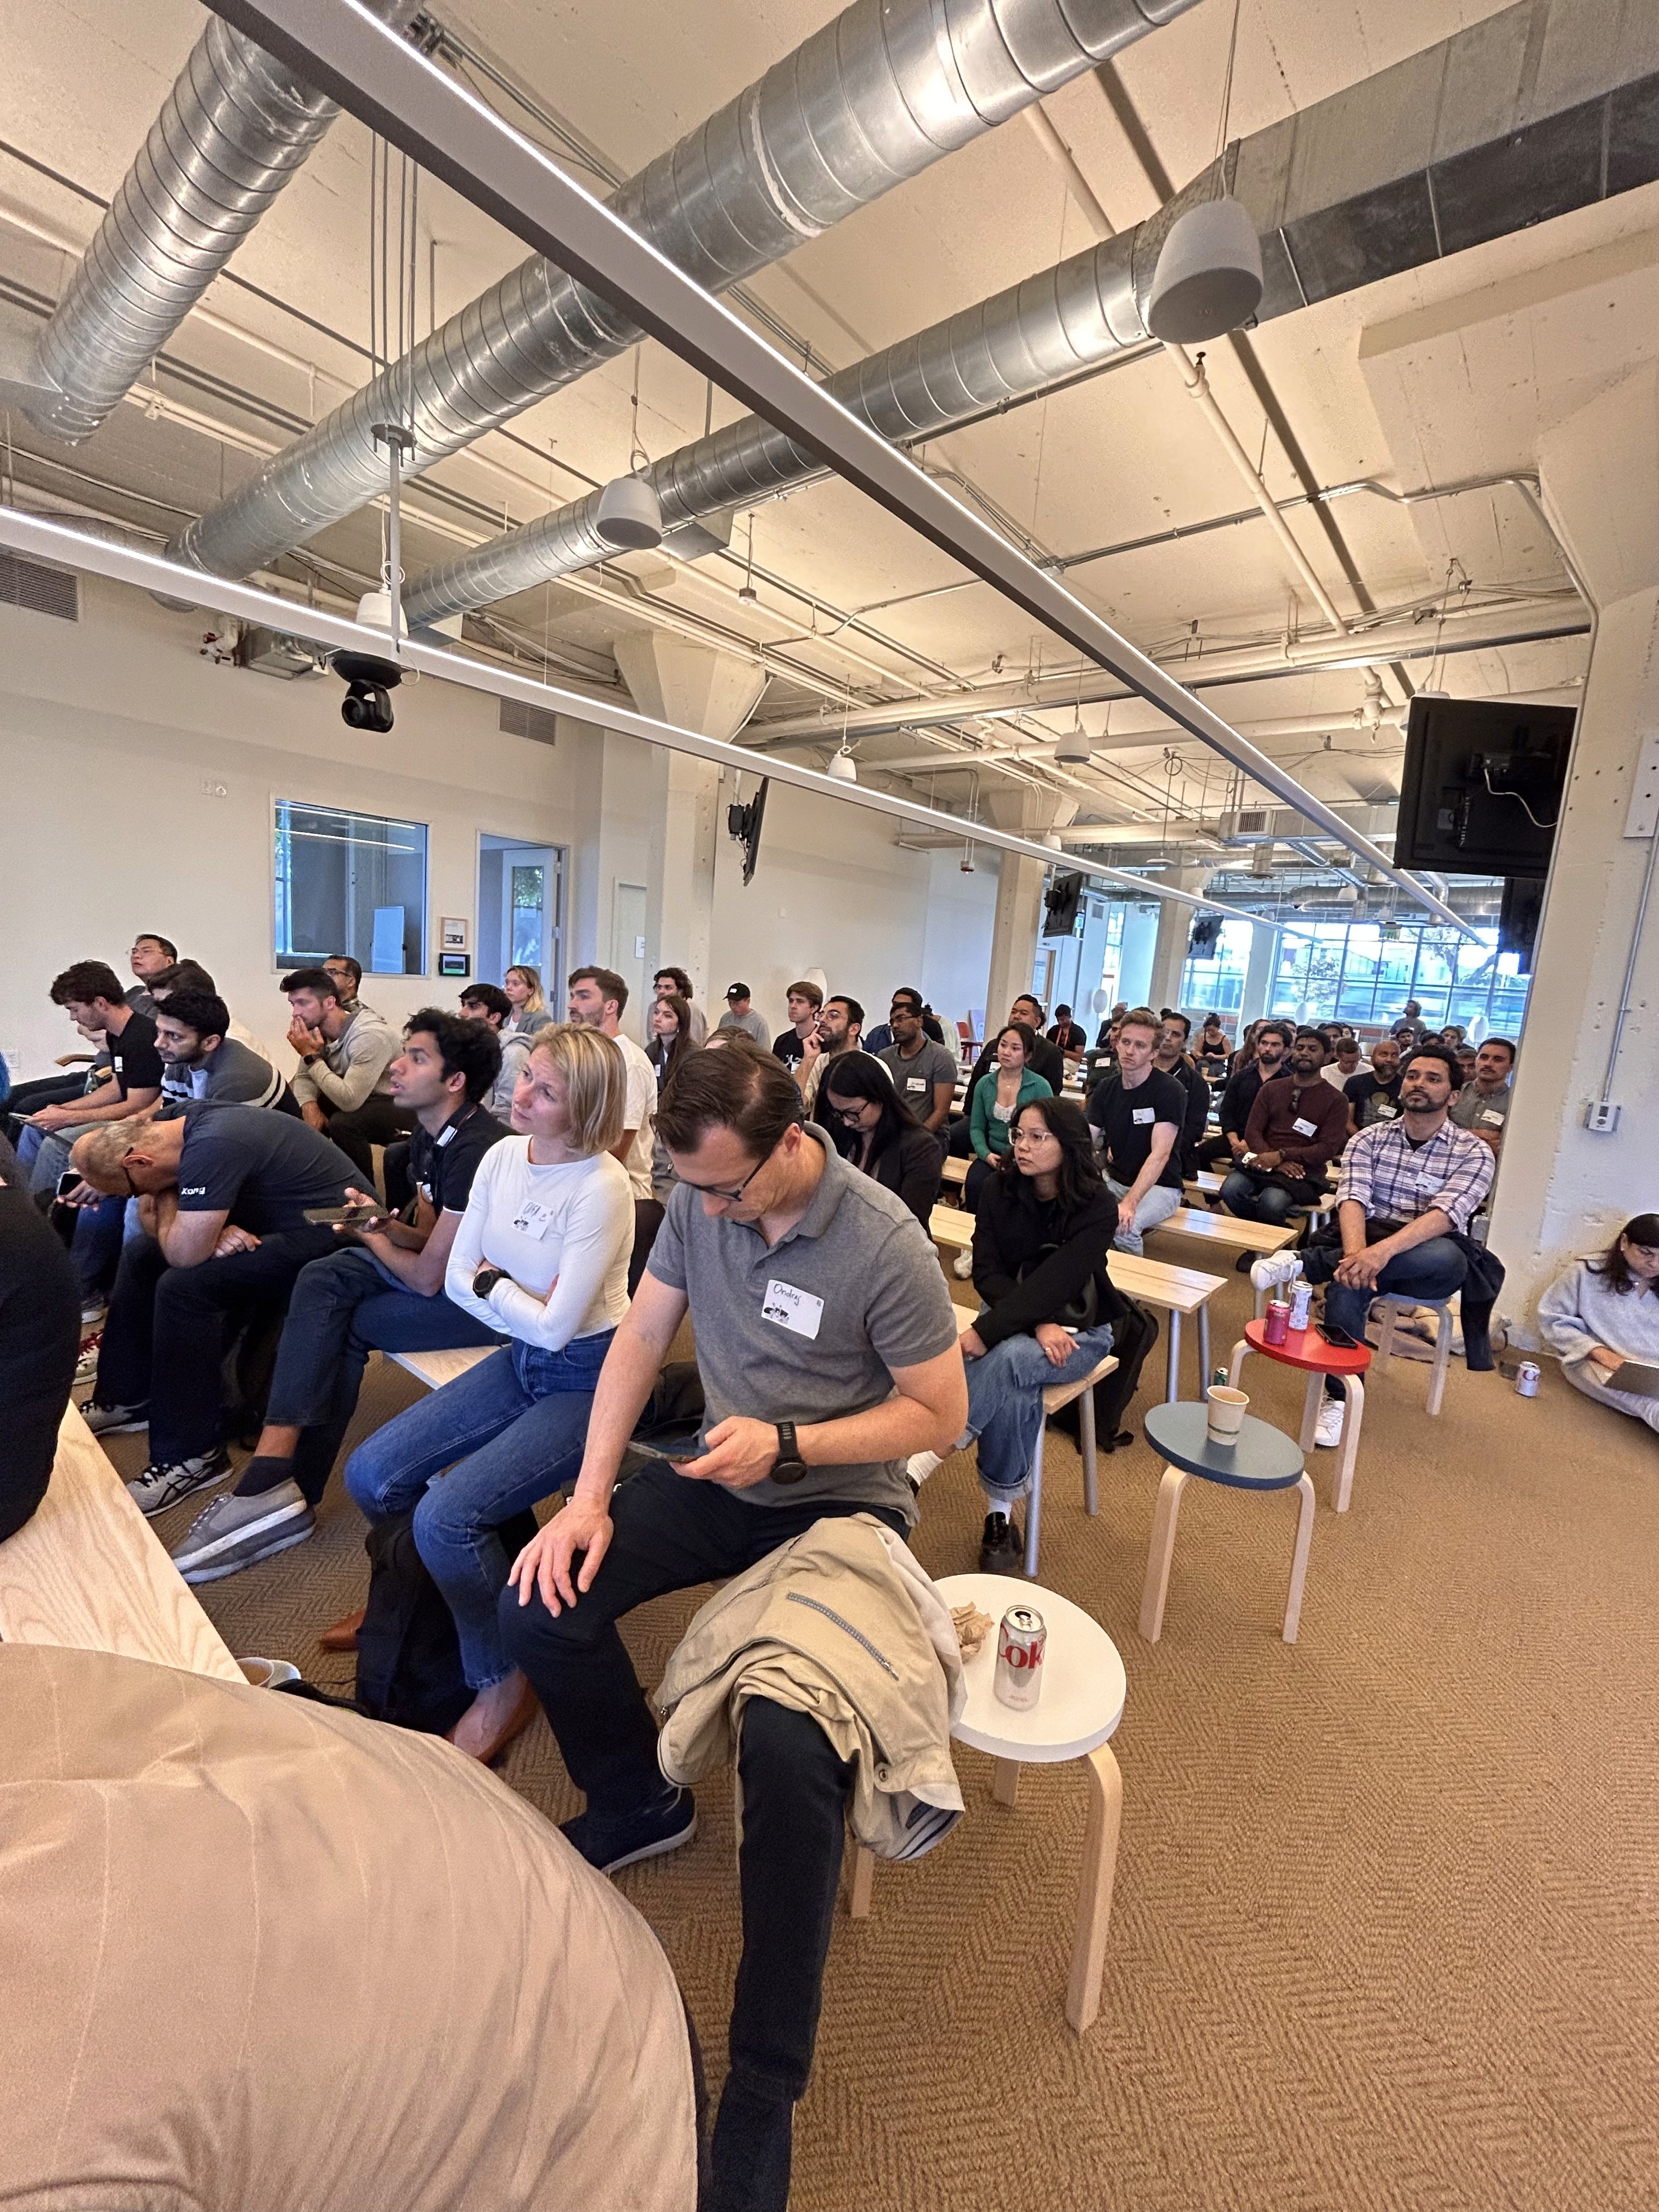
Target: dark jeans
[1431, 1270]
[343, 1308]
[378, 1120]
[1255, 1195]
[979, 1174]
[671, 1534]
[26, 1099]
[647, 1220]
[1215, 1152]
[394, 1172]
[166, 1331]
[956, 1137]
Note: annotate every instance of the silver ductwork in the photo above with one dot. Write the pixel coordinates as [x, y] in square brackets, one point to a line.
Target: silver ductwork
[1342, 194]
[879, 94]
[232, 132]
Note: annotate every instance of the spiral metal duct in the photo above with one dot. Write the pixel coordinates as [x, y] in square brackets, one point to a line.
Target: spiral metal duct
[235, 129]
[879, 94]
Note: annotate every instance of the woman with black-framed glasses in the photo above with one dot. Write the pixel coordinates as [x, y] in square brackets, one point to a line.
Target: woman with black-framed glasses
[869, 1124]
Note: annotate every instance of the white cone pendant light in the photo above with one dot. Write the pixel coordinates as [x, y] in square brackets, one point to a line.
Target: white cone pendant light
[842, 766]
[1208, 279]
[629, 517]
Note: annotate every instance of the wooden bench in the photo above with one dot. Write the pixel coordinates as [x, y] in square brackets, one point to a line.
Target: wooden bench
[1177, 1291]
[89, 1572]
[1224, 1230]
[435, 1369]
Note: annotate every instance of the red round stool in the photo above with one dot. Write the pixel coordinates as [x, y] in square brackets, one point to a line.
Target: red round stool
[1307, 1349]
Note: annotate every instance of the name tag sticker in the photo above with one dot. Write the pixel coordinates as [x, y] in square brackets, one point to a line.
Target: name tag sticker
[915, 1082]
[1385, 1112]
[1491, 1115]
[447, 1134]
[798, 1312]
[1142, 1113]
[533, 1218]
[1305, 1128]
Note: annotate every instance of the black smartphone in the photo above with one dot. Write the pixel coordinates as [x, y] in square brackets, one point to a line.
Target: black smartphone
[1338, 1338]
[71, 1179]
[345, 1217]
[674, 1453]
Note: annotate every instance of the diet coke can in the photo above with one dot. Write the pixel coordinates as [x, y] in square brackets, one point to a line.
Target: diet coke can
[1021, 1641]
[1525, 1379]
[1276, 1325]
[1301, 1306]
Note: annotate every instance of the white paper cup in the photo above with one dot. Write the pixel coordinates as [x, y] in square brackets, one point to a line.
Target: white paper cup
[1226, 1409]
[269, 1674]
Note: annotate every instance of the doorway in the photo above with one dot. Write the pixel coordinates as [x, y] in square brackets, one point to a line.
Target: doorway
[628, 951]
[520, 912]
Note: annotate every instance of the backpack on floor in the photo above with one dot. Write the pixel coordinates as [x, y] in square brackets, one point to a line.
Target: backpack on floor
[409, 1657]
[1134, 1332]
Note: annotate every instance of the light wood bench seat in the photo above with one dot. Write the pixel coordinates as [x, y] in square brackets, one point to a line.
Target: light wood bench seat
[1225, 1230]
[435, 1369]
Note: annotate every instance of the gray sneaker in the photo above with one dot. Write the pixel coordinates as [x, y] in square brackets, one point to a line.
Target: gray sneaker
[113, 1420]
[234, 1532]
[159, 1487]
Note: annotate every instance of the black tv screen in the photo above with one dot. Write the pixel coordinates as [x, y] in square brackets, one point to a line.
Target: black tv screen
[1481, 786]
[1060, 909]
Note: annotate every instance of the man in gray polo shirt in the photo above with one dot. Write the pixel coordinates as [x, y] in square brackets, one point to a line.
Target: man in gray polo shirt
[828, 1348]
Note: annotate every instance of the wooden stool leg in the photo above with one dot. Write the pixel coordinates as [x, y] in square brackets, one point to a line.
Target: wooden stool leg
[1034, 1509]
[1004, 1781]
[1237, 1367]
[1353, 1412]
[1159, 1552]
[1442, 1337]
[1094, 1904]
[1085, 1422]
[861, 1899]
[1299, 1559]
[1311, 1409]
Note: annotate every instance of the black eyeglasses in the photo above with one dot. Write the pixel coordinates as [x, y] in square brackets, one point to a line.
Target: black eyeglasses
[707, 1190]
[849, 1113]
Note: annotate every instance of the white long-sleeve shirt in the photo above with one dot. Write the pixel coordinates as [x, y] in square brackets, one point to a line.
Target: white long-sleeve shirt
[1581, 1309]
[563, 1234]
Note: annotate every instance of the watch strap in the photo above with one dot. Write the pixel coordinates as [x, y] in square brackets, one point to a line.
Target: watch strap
[790, 1465]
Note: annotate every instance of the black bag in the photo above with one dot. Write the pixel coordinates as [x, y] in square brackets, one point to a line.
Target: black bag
[1134, 1332]
[409, 1657]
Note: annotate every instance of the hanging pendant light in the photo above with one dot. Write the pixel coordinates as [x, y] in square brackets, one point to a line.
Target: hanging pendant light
[1073, 750]
[629, 517]
[842, 766]
[1208, 280]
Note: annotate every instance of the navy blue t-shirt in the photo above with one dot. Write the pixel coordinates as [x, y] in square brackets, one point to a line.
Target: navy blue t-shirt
[263, 1169]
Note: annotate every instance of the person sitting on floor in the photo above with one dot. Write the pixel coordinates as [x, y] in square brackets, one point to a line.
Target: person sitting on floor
[1046, 1220]
[341, 1084]
[1298, 1126]
[1603, 1312]
[873, 1128]
[542, 1257]
[383, 1293]
[1013, 1083]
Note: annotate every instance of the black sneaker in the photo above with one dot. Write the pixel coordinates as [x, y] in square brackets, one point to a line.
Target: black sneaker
[1002, 1548]
[611, 1840]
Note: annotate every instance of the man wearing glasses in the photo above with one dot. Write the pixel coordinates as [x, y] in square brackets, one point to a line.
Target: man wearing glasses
[827, 1346]
[924, 1073]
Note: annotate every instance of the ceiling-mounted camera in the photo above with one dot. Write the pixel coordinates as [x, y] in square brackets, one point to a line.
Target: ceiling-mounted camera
[369, 682]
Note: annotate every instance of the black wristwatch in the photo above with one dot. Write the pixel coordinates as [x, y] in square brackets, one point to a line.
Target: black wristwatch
[791, 1467]
[486, 1280]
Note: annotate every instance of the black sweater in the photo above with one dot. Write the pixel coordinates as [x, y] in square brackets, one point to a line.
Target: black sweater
[912, 1168]
[39, 1344]
[1012, 1227]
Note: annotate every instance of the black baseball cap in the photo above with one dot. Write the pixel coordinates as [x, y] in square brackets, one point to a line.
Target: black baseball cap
[738, 991]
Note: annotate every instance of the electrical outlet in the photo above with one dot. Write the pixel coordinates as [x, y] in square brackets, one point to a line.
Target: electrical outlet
[1602, 1115]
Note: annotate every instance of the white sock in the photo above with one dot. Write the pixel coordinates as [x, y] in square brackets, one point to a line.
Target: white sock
[1001, 1501]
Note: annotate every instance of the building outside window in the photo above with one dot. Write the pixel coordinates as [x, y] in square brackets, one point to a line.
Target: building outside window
[1214, 982]
[349, 883]
[1355, 972]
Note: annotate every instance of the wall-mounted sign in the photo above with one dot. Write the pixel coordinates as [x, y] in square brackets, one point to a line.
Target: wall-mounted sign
[452, 933]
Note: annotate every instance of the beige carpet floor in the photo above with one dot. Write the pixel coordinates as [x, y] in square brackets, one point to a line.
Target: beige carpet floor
[1387, 1925]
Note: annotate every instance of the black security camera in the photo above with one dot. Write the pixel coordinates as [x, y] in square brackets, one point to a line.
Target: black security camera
[369, 683]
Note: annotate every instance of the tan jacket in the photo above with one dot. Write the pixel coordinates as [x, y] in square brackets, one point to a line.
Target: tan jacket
[843, 1624]
[262, 1955]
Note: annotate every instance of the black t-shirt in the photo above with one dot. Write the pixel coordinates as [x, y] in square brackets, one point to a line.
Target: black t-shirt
[1070, 1039]
[1126, 1120]
[442, 1167]
[1368, 1094]
[133, 1056]
[263, 1170]
[788, 1048]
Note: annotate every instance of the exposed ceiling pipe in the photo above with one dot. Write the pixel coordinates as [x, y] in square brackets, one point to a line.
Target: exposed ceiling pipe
[236, 128]
[1287, 725]
[876, 96]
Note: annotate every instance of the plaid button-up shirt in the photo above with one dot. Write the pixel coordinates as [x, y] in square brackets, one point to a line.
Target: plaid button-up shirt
[1395, 1180]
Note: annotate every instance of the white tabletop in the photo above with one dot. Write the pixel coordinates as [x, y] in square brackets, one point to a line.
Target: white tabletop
[1083, 1684]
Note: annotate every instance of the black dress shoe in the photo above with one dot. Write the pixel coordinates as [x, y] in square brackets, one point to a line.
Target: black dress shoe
[1002, 1548]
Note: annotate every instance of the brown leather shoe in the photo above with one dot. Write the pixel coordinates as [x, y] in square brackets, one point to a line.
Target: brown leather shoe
[516, 1720]
[343, 1636]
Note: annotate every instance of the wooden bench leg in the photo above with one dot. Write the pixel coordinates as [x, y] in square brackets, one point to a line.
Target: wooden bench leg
[1004, 1781]
[1353, 1412]
[1384, 1340]
[860, 1898]
[1094, 1904]
[1159, 1553]
[1299, 1559]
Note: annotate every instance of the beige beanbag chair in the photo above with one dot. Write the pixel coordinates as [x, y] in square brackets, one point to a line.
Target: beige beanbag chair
[259, 1955]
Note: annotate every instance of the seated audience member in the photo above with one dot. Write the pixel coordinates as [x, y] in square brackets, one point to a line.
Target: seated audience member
[670, 1022]
[1453, 1035]
[740, 1015]
[932, 1027]
[1013, 1083]
[817, 1390]
[1138, 1111]
[870, 1124]
[1298, 1126]
[148, 955]
[1211, 1051]
[347, 976]
[90, 995]
[523, 987]
[1483, 1103]
[1602, 1312]
[1245, 1052]
[1373, 1095]
[1347, 1063]
[541, 1257]
[485, 1003]
[383, 1291]
[1041, 1234]
[342, 1086]
[598, 999]
[804, 1000]
[675, 983]
[323, 1852]
[1411, 1019]
[1047, 1060]
[1270, 1048]
[1407, 1191]
[1066, 1034]
[1172, 1059]
[200, 1059]
[227, 1194]
[838, 1029]
[924, 1073]
[1465, 1056]
[39, 1344]
[1102, 1036]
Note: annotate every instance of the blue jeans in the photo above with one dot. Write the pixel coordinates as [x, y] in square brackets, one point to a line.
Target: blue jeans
[508, 1432]
[1004, 1401]
[1156, 1205]
[1431, 1270]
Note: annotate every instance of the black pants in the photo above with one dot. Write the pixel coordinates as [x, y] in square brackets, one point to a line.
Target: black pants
[378, 1120]
[166, 1327]
[671, 1534]
[1259, 1195]
[979, 1174]
[394, 1173]
[648, 1214]
[1215, 1152]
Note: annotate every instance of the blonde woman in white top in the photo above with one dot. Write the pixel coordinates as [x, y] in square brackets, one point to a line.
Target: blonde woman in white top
[541, 1253]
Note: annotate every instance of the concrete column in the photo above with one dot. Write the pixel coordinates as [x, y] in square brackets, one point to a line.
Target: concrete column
[1259, 973]
[1019, 914]
[1562, 1188]
[1174, 927]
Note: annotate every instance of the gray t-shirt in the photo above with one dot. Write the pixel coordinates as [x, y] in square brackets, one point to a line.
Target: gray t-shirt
[751, 1024]
[1471, 1111]
[810, 1329]
[913, 1079]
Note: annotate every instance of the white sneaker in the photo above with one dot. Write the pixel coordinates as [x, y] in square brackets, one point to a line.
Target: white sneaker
[1328, 1430]
[1280, 1267]
[963, 1266]
[919, 1465]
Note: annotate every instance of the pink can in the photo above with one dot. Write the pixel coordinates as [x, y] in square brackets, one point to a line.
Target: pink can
[1277, 1326]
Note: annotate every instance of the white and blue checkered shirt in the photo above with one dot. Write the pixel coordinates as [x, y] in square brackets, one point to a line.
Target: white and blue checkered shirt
[1395, 1180]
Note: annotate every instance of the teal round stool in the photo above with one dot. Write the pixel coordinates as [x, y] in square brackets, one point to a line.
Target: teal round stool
[1264, 1459]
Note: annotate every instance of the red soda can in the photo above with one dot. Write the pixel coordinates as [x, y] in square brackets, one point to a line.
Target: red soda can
[1021, 1641]
[1277, 1325]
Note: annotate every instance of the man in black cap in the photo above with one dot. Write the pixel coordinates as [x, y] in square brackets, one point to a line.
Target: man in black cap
[740, 1015]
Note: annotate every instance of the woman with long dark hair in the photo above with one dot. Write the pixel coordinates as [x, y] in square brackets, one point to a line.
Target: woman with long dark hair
[670, 1039]
[869, 1124]
[1605, 1311]
[1046, 1221]
[1006, 1085]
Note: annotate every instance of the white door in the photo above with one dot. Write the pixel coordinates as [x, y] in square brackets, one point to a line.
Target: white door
[628, 953]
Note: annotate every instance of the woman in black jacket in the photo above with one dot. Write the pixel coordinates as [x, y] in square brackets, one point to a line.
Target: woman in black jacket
[1045, 1225]
[871, 1124]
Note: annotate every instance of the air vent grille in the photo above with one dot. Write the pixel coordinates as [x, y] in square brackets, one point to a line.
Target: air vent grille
[520, 720]
[38, 589]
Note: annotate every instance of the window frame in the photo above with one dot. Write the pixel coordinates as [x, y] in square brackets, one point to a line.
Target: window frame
[283, 964]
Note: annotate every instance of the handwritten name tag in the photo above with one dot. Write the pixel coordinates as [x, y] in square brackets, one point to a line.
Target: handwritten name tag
[798, 1311]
